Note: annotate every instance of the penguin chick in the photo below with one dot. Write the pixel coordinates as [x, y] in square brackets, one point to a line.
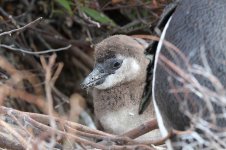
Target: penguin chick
[118, 79]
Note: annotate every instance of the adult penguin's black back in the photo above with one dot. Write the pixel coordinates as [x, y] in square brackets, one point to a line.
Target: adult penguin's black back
[198, 29]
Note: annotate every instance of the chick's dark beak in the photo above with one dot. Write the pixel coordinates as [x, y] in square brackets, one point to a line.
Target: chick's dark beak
[96, 77]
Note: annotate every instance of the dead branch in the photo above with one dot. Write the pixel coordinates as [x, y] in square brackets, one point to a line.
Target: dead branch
[142, 129]
[67, 129]
[29, 51]
[19, 138]
[9, 143]
[21, 28]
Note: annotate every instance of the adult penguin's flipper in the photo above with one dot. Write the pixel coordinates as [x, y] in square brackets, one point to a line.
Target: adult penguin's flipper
[150, 53]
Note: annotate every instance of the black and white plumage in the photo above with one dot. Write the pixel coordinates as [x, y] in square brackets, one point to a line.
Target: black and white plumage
[198, 29]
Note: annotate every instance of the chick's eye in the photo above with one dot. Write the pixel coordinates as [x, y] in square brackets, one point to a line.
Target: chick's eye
[117, 64]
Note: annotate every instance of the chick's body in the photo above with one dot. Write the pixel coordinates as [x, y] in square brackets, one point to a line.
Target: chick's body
[119, 79]
[119, 116]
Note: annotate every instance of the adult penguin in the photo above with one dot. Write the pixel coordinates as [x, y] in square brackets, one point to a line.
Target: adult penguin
[189, 68]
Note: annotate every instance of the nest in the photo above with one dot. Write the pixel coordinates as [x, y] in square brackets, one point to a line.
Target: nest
[45, 53]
